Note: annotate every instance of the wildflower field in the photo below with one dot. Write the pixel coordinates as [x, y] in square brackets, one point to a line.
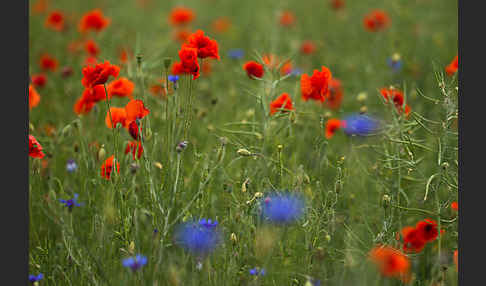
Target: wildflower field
[217, 142]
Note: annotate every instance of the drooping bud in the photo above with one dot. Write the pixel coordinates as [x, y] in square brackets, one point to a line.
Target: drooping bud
[167, 62]
[243, 152]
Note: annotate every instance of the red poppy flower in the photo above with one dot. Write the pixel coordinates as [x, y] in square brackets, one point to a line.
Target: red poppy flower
[376, 20]
[125, 55]
[337, 4]
[118, 114]
[397, 97]
[206, 67]
[181, 16]
[286, 68]
[287, 19]
[134, 130]
[91, 48]
[188, 64]
[55, 20]
[427, 229]
[107, 167]
[253, 69]
[94, 75]
[455, 206]
[121, 87]
[456, 258]
[93, 21]
[391, 262]
[83, 106]
[335, 94]
[451, 69]
[412, 240]
[282, 102]
[206, 47]
[39, 80]
[39, 7]
[307, 47]
[132, 147]
[181, 35]
[135, 109]
[221, 25]
[90, 61]
[316, 87]
[34, 97]
[88, 99]
[157, 89]
[332, 125]
[48, 63]
[35, 149]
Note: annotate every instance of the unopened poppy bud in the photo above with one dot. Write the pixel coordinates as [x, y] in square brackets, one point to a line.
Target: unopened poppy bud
[31, 127]
[243, 152]
[292, 117]
[258, 195]
[131, 247]
[327, 115]
[362, 96]
[158, 165]
[327, 237]
[139, 59]
[445, 165]
[167, 62]
[148, 134]
[386, 199]
[233, 237]
[280, 147]
[363, 109]
[101, 153]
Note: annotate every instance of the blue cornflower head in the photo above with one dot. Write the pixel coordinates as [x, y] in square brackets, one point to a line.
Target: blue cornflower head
[254, 271]
[236, 54]
[360, 125]
[71, 166]
[135, 263]
[296, 72]
[283, 208]
[71, 202]
[35, 278]
[395, 62]
[198, 237]
[173, 78]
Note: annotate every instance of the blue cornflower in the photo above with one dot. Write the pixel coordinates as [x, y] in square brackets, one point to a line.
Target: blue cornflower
[198, 237]
[71, 166]
[395, 62]
[71, 202]
[135, 263]
[255, 272]
[236, 54]
[173, 78]
[361, 125]
[35, 278]
[296, 72]
[283, 208]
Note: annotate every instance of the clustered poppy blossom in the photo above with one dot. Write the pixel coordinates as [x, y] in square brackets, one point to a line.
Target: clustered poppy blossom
[307, 47]
[99, 74]
[332, 125]
[451, 69]
[335, 94]
[39, 80]
[134, 147]
[34, 97]
[391, 262]
[376, 20]
[415, 238]
[47, 62]
[89, 98]
[127, 116]
[316, 87]
[93, 21]
[121, 87]
[198, 237]
[282, 103]
[107, 167]
[287, 18]
[253, 69]
[35, 149]
[91, 48]
[206, 47]
[55, 20]
[282, 208]
[397, 97]
[181, 16]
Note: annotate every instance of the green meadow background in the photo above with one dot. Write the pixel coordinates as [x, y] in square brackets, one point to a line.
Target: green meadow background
[343, 179]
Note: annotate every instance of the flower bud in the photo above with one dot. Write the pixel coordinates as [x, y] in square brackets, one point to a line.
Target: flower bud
[167, 62]
[363, 109]
[386, 199]
[148, 134]
[233, 237]
[362, 96]
[243, 152]
[101, 153]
